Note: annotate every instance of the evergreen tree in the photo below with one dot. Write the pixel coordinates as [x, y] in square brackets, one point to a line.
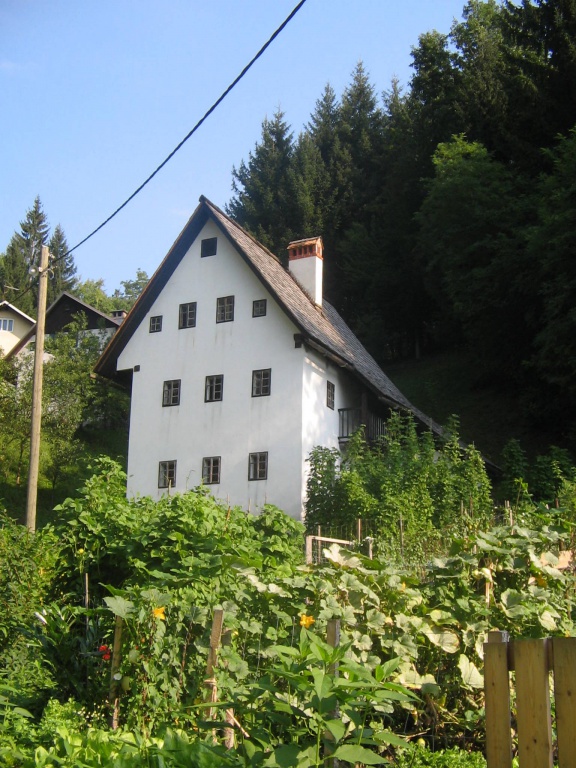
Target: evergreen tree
[540, 50]
[63, 268]
[264, 201]
[361, 131]
[483, 99]
[19, 286]
[23, 253]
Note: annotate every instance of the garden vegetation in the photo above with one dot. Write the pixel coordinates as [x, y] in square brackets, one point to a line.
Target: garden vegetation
[409, 688]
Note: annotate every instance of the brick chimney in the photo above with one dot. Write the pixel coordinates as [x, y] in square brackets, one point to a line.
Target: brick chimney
[305, 264]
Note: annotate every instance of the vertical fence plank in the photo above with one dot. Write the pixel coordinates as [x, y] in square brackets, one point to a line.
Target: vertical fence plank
[533, 703]
[564, 653]
[497, 701]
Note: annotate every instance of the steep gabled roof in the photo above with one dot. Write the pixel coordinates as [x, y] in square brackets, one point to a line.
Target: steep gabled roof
[320, 327]
[61, 312]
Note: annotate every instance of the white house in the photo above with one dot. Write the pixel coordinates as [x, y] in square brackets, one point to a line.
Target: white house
[14, 325]
[238, 368]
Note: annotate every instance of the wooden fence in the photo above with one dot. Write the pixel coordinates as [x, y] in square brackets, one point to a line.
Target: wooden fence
[534, 662]
[316, 543]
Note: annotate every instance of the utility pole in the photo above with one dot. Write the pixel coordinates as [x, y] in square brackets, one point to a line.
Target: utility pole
[37, 392]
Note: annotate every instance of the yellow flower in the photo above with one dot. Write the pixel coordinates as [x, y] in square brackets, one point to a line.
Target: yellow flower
[306, 621]
[158, 613]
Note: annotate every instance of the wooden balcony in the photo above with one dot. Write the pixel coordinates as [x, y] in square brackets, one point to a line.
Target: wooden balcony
[351, 419]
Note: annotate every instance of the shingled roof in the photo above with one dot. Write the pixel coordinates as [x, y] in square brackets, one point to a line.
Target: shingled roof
[320, 327]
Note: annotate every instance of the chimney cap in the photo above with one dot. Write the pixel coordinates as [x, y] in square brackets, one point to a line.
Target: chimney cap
[305, 241]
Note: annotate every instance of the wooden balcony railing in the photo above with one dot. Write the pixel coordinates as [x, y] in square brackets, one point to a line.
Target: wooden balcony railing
[351, 420]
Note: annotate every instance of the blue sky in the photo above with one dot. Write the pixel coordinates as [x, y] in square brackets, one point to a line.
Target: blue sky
[96, 94]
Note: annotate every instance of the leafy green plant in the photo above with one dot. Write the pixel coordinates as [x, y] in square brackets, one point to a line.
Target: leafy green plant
[316, 701]
[449, 758]
[412, 493]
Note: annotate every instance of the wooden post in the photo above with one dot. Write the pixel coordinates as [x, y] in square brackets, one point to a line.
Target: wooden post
[36, 422]
[564, 652]
[309, 550]
[533, 703]
[497, 701]
[113, 695]
[359, 529]
[333, 639]
[215, 637]
[369, 542]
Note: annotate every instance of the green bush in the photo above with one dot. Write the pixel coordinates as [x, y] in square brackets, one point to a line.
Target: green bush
[450, 758]
[413, 493]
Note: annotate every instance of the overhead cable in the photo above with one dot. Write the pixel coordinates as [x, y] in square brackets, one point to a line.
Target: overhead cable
[188, 135]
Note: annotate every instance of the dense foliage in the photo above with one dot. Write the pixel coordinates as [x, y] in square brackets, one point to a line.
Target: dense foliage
[446, 209]
[410, 491]
[76, 409]
[410, 651]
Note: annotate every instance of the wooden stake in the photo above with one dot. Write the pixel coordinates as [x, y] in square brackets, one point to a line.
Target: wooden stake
[333, 639]
[215, 637]
[113, 696]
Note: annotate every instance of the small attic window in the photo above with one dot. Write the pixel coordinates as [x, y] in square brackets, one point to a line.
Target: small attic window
[208, 246]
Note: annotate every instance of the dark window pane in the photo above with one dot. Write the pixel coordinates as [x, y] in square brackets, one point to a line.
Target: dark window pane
[156, 324]
[208, 246]
[225, 309]
[261, 381]
[187, 315]
[259, 308]
[166, 474]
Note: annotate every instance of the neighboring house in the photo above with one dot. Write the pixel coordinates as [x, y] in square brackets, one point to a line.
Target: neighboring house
[239, 368]
[14, 325]
[63, 311]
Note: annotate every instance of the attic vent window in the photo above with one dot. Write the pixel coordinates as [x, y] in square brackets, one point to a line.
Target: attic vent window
[208, 247]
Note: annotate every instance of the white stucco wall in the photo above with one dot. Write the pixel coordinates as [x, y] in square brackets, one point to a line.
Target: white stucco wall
[239, 424]
[9, 339]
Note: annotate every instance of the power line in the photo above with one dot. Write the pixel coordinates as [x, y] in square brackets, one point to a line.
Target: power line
[188, 135]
